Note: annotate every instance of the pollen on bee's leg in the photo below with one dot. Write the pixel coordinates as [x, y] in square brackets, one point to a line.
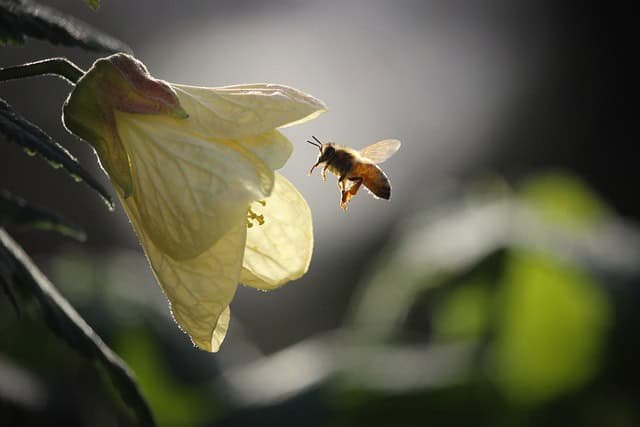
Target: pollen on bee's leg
[343, 205]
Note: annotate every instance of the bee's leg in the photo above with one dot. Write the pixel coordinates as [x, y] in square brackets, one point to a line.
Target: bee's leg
[342, 182]
[352, 191]
[342, 186]
[343, 204]
[324, 172]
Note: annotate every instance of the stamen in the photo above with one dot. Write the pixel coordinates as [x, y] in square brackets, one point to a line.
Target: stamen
[253, 218]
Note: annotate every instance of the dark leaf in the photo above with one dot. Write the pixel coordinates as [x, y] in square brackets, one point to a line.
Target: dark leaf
[20, 19]
[17, 270]
[93, 4]
[16, 128]
[7, 289]
[16, 211]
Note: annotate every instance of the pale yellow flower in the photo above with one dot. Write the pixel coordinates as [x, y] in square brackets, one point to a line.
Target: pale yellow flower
[194, 170]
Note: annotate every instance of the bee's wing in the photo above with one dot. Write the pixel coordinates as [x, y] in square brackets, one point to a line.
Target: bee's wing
[381, 150]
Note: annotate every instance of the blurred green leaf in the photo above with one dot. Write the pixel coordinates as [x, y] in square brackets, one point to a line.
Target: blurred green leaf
[93, 4]
[173, 403]
[463, 312]
[563, 199]
[554, 322]
[20, 19]
[18, 271]
[16, 211]
[16, 128]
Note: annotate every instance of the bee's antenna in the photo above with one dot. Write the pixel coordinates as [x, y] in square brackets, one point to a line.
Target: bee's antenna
[317, 140]
[316, 144]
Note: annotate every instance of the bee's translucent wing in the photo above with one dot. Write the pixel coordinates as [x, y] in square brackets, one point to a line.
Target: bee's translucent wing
[381, 150]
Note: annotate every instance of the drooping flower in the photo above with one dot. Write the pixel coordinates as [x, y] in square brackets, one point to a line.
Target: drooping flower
[194, 170]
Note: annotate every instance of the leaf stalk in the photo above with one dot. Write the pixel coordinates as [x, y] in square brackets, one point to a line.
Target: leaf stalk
[59, 67]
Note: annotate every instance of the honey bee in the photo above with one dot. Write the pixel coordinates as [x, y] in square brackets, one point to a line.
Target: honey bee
[355, 168]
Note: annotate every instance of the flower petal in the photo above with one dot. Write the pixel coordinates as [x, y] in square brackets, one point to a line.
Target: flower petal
[272, 147]
[199, 289]
[190, 189]
[221, 330]
[280, 249]
[243, 110]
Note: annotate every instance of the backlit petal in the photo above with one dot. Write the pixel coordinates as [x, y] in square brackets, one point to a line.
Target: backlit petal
[272, 147]
[189, 189]
[199, 289]
[242, 110]
[221, 330]
[280, 249]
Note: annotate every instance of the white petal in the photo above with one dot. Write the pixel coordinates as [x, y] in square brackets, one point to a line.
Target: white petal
[189, 189]
[279, 250]
[273, 148]
[243, 110]
[199, 289]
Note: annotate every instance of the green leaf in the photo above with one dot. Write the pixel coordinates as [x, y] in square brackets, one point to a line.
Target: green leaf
[173, 402]
[93, 4]
[20, 19]
[563, 199]
[554, 327]
[16, 211]
[18, 271]
[16, 128]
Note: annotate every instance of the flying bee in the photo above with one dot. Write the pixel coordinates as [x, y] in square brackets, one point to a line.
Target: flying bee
[355, 168]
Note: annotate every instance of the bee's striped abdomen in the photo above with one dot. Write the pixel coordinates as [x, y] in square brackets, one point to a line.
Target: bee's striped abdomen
[374, 179]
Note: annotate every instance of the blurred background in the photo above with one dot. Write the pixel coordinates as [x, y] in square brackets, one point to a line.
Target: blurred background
[498, 287]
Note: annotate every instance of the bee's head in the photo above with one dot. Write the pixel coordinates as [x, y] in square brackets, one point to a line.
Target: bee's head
[327, 151]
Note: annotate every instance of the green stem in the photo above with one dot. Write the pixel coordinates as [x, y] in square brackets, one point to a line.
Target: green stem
[60, 67]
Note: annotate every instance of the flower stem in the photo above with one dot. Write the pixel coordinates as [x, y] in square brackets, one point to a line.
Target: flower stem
[60, 67]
